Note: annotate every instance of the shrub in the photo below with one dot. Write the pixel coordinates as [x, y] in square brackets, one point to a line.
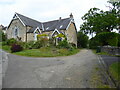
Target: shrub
[93, 43]
[40, 36]
[118, 40]
[51, 42]
[64, 44]
[107, 38]
[16, 48]
[2, 36]
[44, 42]
[30, 44]
[82, 40]
[37, 44]
[11, 41]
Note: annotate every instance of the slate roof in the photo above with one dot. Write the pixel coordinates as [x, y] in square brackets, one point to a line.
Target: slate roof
[60, 24]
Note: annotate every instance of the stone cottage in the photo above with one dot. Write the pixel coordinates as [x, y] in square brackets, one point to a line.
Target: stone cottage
[27, 29]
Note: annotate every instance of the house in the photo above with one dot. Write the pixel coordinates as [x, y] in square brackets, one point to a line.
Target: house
[3, 28]
[27, 29]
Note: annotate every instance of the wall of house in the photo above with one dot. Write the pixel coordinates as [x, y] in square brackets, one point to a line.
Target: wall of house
[71, 34]
[21, 30]
[30, 37]
[48, 33]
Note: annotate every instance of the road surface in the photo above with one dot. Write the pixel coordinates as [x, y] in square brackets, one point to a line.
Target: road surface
[54, 72]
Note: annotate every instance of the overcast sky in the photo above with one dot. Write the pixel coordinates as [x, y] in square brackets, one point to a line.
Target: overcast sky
[47, 10]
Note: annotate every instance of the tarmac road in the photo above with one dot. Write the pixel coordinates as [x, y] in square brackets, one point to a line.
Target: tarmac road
[54, 72]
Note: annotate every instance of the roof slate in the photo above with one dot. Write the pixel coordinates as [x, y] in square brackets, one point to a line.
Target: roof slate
[48, 26]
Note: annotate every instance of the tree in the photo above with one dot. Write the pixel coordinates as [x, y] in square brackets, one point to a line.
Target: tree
[82, 40]
[97, 21]
[2, 36]
[115, 8]
[105, 38]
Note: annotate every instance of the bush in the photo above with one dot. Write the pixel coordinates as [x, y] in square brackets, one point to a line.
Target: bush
[118, 40]
[64, 44]
[107, 38]
[11, 41]
[2, 36]
[29, 45]
[16, 48]
[82, 40]
[37, 44]
[93, 43]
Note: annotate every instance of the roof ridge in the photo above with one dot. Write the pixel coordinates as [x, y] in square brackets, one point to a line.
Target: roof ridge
[55, 20]
[28, 17]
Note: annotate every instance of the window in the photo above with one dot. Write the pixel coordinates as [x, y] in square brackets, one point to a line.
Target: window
[61, 26]
[16, 32]
[47, 28]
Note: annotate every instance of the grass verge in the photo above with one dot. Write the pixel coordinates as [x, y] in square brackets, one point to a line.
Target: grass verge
[97, 79]
[114, 69]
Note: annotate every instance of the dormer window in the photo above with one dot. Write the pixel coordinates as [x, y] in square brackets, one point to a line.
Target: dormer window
[61, 26]
[47, 28]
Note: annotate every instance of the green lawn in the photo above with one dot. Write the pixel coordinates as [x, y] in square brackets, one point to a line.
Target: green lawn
[43, 52]
[47, 52]
[115, 71]
[5, 47]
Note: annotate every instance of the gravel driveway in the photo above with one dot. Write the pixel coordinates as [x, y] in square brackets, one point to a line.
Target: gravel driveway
[55, 72]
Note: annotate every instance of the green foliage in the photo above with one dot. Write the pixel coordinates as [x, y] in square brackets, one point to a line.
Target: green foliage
[82, 40]
[44, 42]
[118, 40]
[60, 35]
[105, 38]
[29, 45]
[97, 21]
[37, 44]
[63, 44]
[39, 36]
[2, 36]
[11, 41]
[115, 71]
[93, 43]
[47, 52]
[16, 48]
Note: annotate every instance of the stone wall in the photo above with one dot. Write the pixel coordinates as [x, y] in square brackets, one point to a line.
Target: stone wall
[111, 50]
[21, 29]
[71, 34]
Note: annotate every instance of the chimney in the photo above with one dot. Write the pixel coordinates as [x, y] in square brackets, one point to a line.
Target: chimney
[60, 18]
[71, 16]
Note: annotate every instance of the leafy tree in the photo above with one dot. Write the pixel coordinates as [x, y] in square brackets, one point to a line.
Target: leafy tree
[105, 38]
[82, 40]
[96, 20]
[2, 36]
[115, 8]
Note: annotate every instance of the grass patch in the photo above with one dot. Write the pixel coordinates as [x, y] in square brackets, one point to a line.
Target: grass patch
[100, 53]
[115, 71]
[0, 45]
[97, 80]
[6, 48]
[47, 52]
